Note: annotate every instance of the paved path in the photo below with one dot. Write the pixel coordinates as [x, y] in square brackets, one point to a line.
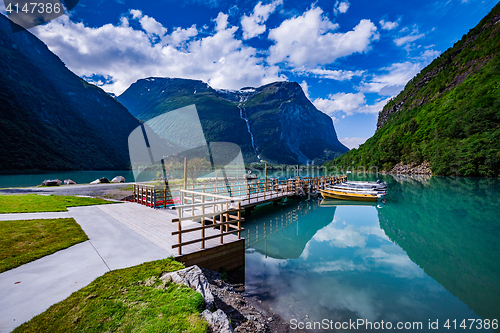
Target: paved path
[30, 289]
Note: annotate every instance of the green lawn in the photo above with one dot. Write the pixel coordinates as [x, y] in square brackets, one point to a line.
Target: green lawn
[28, 240]
[31, 203]
[121, 301]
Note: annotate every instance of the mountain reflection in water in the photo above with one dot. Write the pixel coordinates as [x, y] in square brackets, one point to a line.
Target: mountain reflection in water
[429, 253]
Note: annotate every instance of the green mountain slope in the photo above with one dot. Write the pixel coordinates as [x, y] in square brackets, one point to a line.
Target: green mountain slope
[449, 114]
[50, 119]
[275, 123]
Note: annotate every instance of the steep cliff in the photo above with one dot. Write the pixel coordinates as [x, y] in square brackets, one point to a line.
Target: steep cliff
[449, 114]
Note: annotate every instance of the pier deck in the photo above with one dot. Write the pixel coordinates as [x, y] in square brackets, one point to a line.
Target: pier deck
[205, 223]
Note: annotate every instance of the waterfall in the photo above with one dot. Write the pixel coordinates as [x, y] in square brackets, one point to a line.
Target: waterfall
[244, 117]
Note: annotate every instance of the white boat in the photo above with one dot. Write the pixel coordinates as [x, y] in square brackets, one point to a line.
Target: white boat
[365, 184]
[379, 183]
[341, 187]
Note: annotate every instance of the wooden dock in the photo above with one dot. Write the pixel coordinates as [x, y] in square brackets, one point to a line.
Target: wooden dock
[202, 224]
[157, 226]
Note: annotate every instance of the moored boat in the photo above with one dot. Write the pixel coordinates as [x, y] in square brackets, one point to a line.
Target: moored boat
[342, 187]
[336, 203]
[361, 183]
[351, 195]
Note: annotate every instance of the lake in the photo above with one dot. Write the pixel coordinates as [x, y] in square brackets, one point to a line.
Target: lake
[85, 177]
[429, 255]
[80, 177]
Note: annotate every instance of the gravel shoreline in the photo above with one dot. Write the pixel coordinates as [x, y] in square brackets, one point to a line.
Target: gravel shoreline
[247, 313]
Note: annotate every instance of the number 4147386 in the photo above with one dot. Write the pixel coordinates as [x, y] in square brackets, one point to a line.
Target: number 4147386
[35, 7]
[472, 323]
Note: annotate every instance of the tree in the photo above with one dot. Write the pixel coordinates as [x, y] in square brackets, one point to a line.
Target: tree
[196, 166]
[173, 168]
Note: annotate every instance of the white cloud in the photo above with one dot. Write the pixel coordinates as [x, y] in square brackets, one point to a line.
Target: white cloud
[179, 36]
[349, 104]
[341, 238]
[352, 142]
[340, 7]
[125, 55]
[136, 13]
[400, 262]
[253, 25]
[221, 22]
[394, 81]
[388, 25]
[345, 102]
[308, 40]
[337, 266]
[413, 36]
[151, 26]
[339, 75]
[429, 55]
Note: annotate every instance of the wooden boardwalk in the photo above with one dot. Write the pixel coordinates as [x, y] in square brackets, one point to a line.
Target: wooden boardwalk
[205, 227]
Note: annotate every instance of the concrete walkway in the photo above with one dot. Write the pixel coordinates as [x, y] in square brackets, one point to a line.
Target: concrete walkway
[30, 289]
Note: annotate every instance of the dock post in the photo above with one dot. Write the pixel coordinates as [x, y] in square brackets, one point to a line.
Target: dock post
[239, 220]
[265, 173]
[185, 172]
[297, 182]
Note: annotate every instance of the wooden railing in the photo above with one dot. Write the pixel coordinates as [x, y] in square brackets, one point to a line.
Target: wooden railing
[261, 231]
[264, 230]
[161, 196]
[221, 212]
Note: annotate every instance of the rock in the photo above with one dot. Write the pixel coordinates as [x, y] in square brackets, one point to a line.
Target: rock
[69, 182]
[193, 278]
[118, 179]
[149, 282]
[218, 321]
[97, 181]
[412, 169]
[104, 180]
[51, 182]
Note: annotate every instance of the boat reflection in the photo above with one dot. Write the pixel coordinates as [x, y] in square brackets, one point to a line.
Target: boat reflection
[429, 253]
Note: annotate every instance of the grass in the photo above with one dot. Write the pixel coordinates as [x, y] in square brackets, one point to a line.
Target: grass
[126, 300]
[31, 203]
[28, 240]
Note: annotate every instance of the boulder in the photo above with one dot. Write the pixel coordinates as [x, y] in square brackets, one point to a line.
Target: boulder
[194, 278]
[69, 182]
[104, 180]
[51, 182]
[118, 179]
[218, 321]
[97, 181]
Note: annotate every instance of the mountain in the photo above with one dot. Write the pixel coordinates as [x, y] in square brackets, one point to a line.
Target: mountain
[274, 123]
[448, 114]
[50, 119]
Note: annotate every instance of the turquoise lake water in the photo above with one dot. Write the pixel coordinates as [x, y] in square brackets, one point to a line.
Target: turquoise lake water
[430, 253]
[81, 177]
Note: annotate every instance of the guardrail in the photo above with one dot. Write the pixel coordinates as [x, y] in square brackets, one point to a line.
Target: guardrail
[161, 196]
[207, 207]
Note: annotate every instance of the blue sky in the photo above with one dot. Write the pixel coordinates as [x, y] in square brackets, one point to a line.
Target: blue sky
[349, 56]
